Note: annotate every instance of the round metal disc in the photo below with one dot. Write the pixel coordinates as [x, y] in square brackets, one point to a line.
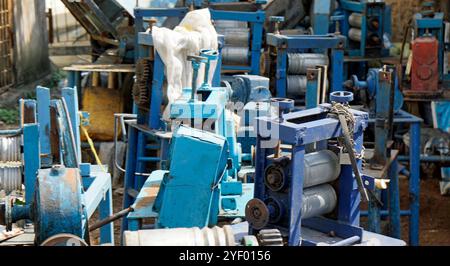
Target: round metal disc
[64, 240]
[257, 214]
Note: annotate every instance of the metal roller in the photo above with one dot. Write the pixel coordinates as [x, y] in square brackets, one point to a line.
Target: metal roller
[10, 149]
[355, 20]
[230, 24]
[235, 55]
[355, 34]
[215, 236]
[321, 167]
[235, 36]
[296, 85]
[318, 200]
[299, 63]
[10, 177]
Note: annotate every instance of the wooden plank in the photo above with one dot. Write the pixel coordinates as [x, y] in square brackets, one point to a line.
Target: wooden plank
[124, 68]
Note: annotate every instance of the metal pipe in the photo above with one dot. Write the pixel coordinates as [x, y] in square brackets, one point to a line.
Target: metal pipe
[11, 132]
[428, 158]
[385, 213]
[110, 219]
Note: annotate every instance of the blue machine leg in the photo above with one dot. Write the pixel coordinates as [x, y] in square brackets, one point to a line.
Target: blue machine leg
[414, 183]
[32, 158]
[374, 215]
[71, 97]
[296, 195]
[130, 173]
[394, 201]
[43, 110]
[106, 210]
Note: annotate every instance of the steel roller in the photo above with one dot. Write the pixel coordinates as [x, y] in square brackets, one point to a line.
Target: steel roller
[235, 36]
[355, 34]
[355, 20]
[10, 149]
[235, 55]
[299, 63]
[318, 200]
[230, 24]
[296, 85]
[10, 177]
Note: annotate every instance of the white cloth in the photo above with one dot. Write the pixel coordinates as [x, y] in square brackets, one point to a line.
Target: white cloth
[195, 32]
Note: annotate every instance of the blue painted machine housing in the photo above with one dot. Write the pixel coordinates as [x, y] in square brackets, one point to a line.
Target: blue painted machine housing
[372, 84]
[198, 174]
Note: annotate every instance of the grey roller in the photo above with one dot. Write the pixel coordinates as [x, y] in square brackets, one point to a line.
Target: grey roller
[10, 149]
[296, 85]
[298, 63]
[235, 55]
[354, 34]
[355, 20]
[321, 167]
[239, 37]
[230, 24]
[318, 200]
[10, 177]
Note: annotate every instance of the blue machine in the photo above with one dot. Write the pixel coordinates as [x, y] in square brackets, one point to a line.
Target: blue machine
[147, 133]
[365, 25]
[209, 137]
[371, 87]
[383, 161]
[295, 54]
[293, 183]
[432, 24]
[243, 31]
[61, 193]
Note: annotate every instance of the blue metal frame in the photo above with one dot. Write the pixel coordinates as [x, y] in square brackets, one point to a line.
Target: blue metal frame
[299, 43]
[256, 20]
[299, 135]
[379, 10]
[95, 194]
[404, 118]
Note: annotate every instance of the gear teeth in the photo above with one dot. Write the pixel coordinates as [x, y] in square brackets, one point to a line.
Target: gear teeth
[270, 237]
[141, 91]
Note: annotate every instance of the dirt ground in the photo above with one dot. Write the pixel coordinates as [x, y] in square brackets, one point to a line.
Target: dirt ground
[434, 213]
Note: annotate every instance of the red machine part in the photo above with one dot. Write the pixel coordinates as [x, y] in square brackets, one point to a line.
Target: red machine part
[425, 65]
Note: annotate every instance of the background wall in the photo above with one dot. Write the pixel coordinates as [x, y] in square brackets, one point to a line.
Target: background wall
[30, 41]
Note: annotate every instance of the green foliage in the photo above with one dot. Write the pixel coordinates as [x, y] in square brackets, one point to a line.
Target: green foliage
[9, 116]
[57, 76]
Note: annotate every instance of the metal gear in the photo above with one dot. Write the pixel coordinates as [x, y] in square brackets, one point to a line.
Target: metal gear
[270, 238]
[141, 91]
